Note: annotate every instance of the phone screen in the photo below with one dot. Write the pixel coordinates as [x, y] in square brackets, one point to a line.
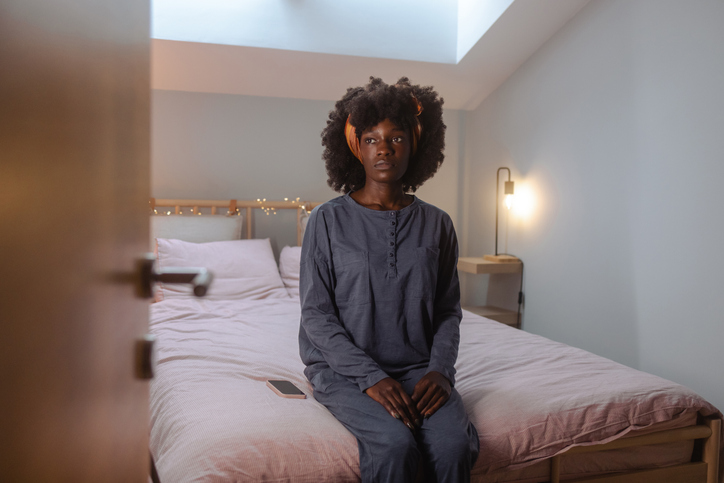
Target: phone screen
[285, 388]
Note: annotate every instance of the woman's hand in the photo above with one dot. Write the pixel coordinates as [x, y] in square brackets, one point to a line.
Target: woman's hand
[431, 393]
[395, 400]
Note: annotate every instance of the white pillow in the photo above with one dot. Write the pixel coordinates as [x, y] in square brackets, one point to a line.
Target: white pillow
[197, 229]
[242, 269]
[289, 260]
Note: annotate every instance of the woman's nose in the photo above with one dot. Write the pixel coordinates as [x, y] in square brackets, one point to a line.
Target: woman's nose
[384, 148]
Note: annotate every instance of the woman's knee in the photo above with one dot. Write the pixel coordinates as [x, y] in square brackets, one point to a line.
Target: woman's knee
[455, 447]
[399, 444]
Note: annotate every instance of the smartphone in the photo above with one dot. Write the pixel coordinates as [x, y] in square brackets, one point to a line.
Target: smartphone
[285, 389]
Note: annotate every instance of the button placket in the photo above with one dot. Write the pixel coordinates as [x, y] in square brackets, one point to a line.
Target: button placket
[391, 242]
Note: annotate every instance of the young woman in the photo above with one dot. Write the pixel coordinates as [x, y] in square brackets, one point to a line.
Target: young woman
[379, 289]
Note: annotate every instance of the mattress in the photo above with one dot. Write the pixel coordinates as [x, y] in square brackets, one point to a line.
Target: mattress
[214, 419]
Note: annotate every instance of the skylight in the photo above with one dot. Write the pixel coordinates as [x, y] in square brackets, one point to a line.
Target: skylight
[441, 31]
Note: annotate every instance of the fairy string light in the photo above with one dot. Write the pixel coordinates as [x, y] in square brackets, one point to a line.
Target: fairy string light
[268, 210]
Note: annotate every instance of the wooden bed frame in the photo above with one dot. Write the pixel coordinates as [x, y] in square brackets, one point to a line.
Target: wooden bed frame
[704, 467]
[233, 208]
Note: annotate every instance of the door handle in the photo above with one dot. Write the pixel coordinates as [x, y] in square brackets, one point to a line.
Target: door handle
[199, 277]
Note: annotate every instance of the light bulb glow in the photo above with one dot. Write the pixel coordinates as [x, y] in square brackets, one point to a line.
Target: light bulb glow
[509, 201]
[525, 201]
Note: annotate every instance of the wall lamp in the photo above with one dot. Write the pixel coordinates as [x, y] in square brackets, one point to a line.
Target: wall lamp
[509, 193]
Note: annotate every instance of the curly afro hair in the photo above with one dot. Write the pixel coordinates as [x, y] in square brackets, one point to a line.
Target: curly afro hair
[368, 106]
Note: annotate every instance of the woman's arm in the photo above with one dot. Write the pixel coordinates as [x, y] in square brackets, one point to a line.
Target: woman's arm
[433, 390]
[447, 313]
[325, 332]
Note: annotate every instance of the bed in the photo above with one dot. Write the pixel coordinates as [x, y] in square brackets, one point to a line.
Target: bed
[544, 411]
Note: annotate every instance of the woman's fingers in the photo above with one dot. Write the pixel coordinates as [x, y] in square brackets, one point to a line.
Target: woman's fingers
[427, 395]
[406, 406]
[436, 403]
[432, 391]
[440, 402]
[395, 400]
[431, 396]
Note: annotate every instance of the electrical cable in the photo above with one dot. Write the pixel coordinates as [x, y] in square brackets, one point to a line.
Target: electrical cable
[520, 292]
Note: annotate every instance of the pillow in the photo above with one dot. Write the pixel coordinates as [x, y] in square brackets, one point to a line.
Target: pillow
[289, 260]
[242, 269]
[197, 229]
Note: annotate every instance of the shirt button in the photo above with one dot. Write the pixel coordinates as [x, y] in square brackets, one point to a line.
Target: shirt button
[392, 264]
[392, 244]
[392, 223]
[391, 254]
[392, 233]
[392, 213]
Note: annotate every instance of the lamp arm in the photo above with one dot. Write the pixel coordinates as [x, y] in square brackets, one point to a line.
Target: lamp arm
[497, 191]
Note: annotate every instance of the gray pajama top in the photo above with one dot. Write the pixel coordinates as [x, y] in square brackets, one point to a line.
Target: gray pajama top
[379, 292]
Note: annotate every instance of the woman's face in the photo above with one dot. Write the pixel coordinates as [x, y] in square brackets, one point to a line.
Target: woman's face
[385, 151]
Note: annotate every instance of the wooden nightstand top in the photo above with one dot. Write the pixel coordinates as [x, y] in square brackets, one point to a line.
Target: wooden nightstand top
[479, 265]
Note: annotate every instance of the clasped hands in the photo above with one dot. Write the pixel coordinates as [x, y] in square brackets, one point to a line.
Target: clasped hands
[431, 392]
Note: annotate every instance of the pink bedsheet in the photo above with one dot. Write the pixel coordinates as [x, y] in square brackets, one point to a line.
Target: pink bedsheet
[531, 398]
[214, 419]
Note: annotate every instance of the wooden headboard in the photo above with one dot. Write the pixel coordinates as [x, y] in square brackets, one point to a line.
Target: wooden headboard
[233, 208]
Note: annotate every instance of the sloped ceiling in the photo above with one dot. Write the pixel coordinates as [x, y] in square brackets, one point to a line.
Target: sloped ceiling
[200, 66]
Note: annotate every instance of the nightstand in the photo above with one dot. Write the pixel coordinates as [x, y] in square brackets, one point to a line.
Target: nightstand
[479, 265]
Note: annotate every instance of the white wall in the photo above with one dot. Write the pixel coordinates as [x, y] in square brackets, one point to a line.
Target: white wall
[231, 146]
[616, 128]
[218, 146]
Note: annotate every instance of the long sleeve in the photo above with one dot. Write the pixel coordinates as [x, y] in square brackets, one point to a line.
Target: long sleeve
[446, 312]
[321, 332]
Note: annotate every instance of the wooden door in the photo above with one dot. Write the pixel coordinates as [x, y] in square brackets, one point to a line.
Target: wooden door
[74, 187]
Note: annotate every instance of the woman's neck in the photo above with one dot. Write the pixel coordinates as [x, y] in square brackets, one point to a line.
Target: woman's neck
[382, 196]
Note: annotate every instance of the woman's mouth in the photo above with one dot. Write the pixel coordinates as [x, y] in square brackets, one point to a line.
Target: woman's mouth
[383, 165]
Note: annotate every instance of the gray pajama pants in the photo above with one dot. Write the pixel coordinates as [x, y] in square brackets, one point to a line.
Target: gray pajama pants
[446, 445]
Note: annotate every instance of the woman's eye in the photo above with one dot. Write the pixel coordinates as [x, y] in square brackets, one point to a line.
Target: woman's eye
[369, 140]
[397, 139]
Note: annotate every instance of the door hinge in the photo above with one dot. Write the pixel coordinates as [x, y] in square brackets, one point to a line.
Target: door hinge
[145, 357]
